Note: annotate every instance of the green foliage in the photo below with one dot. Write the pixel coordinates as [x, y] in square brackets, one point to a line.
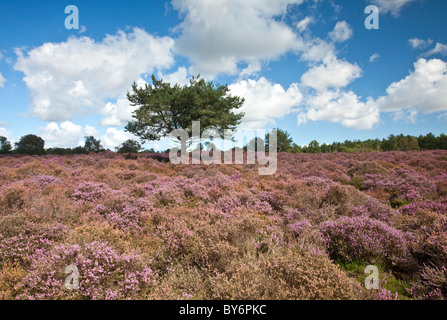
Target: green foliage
[92, 145]
[5, 145]
[253, 144]
[129, 146]
[30, 144]
[163, 108]
[283, 140]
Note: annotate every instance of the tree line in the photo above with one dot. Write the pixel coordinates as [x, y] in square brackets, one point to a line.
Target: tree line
[34, 145]
[391, 143]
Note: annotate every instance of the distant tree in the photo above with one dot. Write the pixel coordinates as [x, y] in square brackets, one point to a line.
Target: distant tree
[325, 148]
[313, 147]
[296, 148]
[283, 140]
[254, 144]
[59, 151]
[79, 150]
[442, 142]
[92, 145]
[129, 146]
[427, 142]
[30, 144]
[390, 144]
[163, 108]
[5, 145]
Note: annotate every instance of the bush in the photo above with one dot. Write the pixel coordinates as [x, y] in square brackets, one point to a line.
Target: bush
[366, 240]
[104, 274]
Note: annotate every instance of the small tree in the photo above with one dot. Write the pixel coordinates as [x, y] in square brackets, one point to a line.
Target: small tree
[284, 141]
[5, 145]
[129, 146]
[92, 145]
[163, 108]
[313, 147]
[254, 144]
[30, 144]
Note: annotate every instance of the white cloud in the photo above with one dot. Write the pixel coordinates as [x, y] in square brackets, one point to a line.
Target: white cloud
[117, 114]
[392, 6]
[440, 49]
[303, 24]
[7, 134]
[180, 77]
[114, 137]
[90, 131]
[407, 115]
[423, 89]
[341, 107]
[217, 35]
[341, 32]
[265, 101]
[417, 43]
[76, 77]
[334, 74]
[317, 50]
[374, 57]
[83, 29]
[2, 81]
[67, 135]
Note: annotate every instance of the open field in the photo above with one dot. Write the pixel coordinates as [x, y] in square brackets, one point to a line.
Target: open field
[146, 229]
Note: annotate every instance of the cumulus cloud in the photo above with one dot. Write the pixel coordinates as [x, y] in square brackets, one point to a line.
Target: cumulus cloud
[392, 6]
[65, 135]
[75, 77]
[440, 49]
[417, 43]
[2, 81]
[265, 101]
[180, 77]
[304, 24]
[423, 89]
[341, 107]
[341, 32]
[114, 137]
[117, 114]
[334, 74]
[317, 50]
[374, 57]
[217, 35]
[6, 133]
[90, 131]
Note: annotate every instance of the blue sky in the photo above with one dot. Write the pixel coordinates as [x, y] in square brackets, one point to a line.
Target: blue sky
[307, 66]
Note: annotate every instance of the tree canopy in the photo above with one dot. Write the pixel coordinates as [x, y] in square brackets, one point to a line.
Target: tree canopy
[283, 140]
[5, 145]
[30, 144]
[129, 146]
[92, 145]
[163, 108]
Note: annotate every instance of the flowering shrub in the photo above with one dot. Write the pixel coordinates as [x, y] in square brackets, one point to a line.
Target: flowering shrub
[365, 240]
[103, 273]
[146, 229]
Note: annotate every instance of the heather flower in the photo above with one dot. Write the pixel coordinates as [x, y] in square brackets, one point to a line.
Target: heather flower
[365, 240]
[103, 273]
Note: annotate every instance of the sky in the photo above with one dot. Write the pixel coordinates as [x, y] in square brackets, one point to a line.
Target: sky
[310, 67]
